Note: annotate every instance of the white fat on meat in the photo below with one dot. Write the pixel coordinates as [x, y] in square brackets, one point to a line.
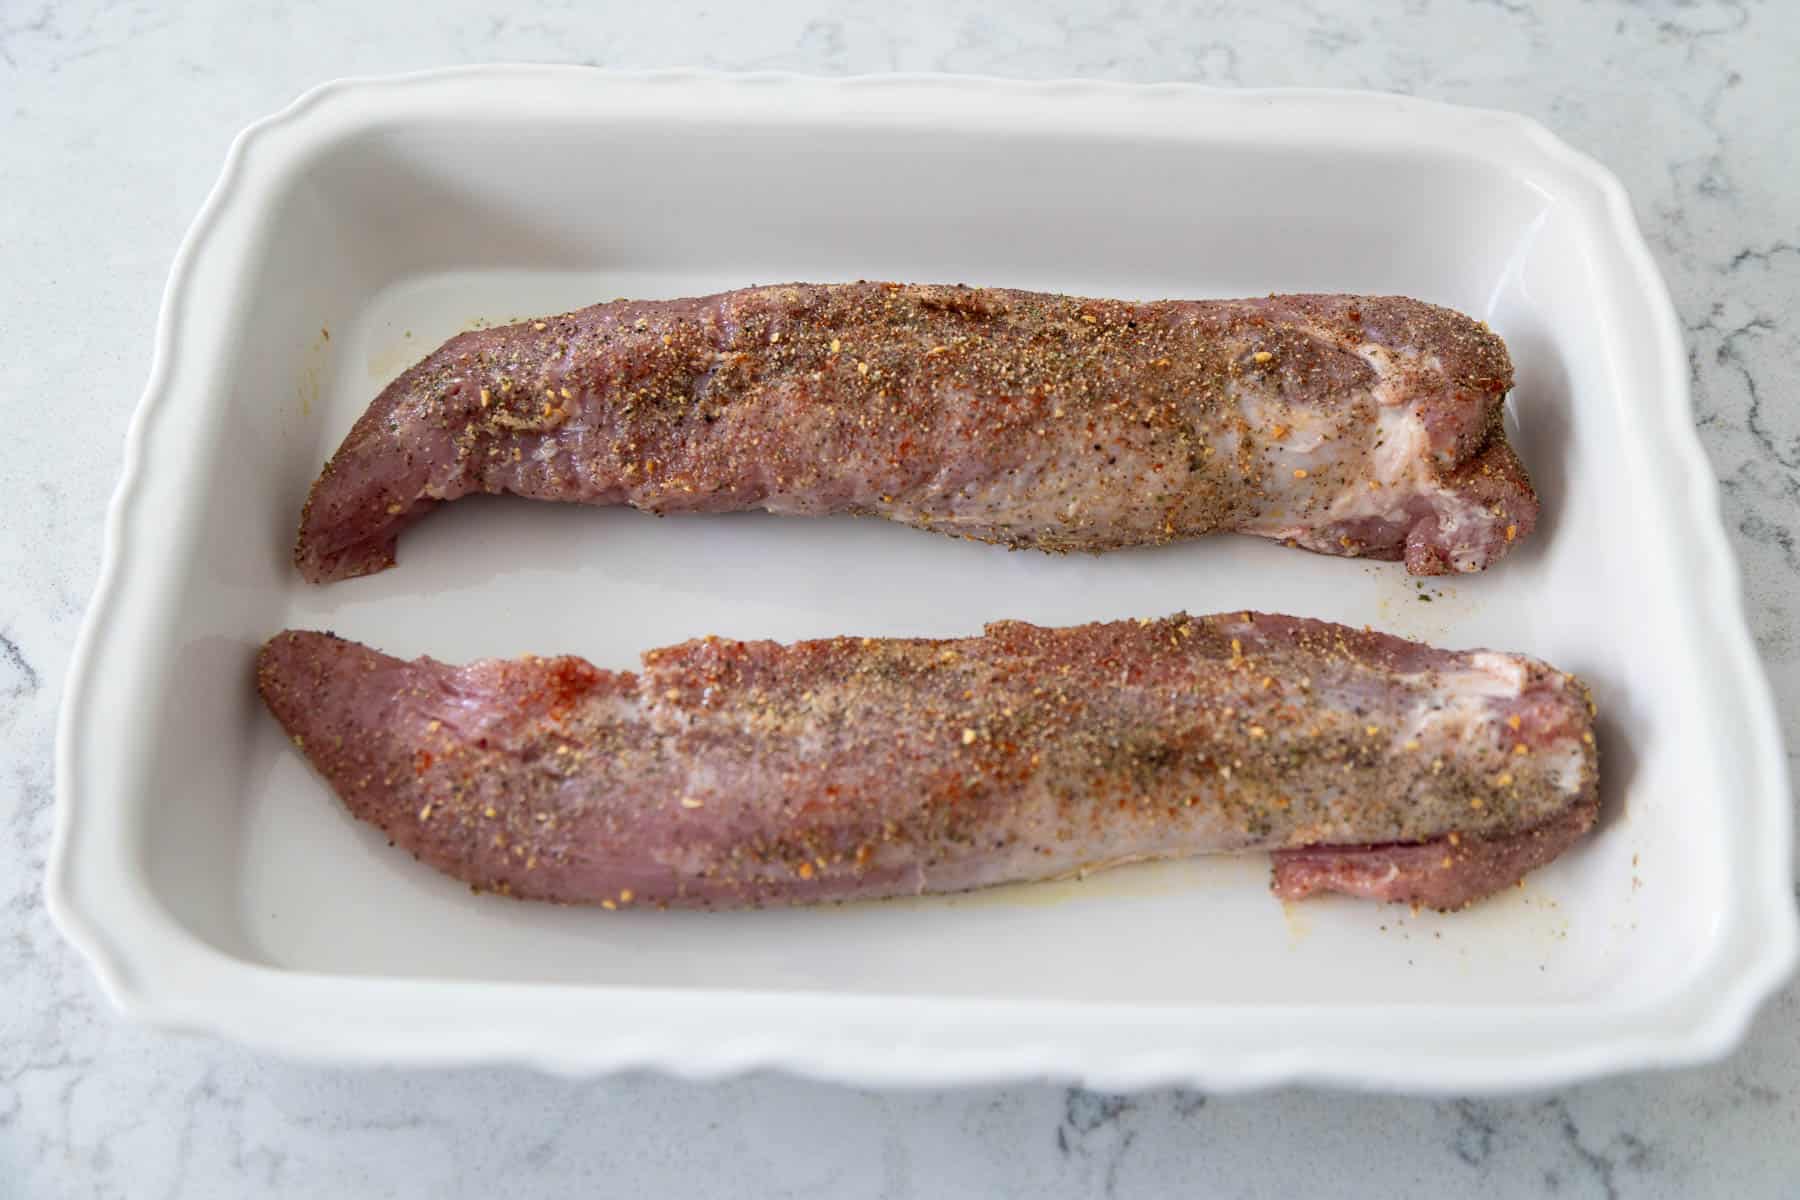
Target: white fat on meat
[1393, 475]
[1460, 712]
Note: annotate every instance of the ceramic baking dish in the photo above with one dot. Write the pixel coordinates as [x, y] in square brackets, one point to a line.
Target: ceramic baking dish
[217, 885]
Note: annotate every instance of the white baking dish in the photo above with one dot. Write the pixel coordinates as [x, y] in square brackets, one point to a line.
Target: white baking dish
[217, 885]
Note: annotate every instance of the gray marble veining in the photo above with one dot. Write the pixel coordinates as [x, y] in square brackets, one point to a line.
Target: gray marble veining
[113, 121]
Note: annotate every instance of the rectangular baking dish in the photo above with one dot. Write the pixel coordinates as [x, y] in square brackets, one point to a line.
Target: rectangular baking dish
[216, 885]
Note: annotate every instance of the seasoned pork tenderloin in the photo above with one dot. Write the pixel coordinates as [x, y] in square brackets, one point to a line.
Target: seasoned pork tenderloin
[1363, 426]
[736, 774]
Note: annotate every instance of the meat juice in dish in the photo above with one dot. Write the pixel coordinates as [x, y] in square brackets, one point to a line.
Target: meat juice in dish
[1350, 425]
[730, 774]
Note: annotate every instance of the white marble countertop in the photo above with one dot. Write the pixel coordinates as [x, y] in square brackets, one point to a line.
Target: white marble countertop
[114, 118]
